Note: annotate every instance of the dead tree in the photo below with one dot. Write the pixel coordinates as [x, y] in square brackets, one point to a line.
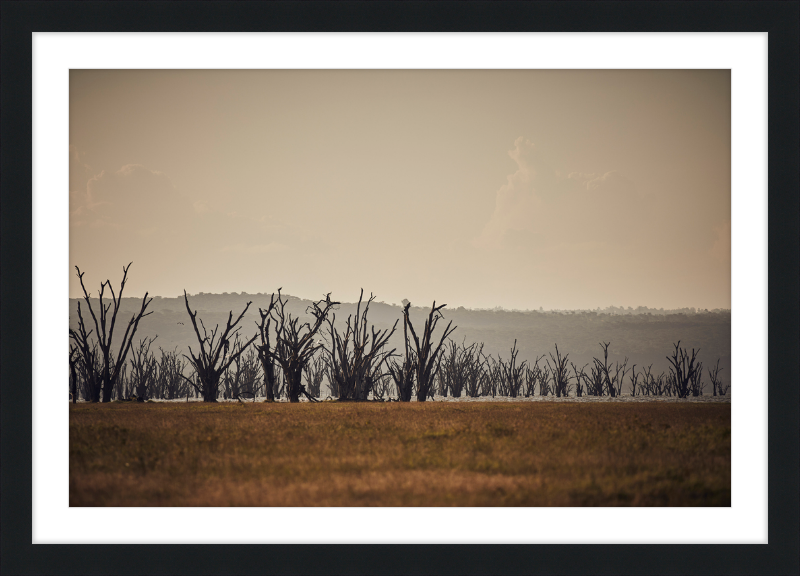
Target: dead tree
[501, 384]
[403, 376]
[486, 380]
[314, 373]
[357, 369]
[532, 375]
[294, 342]
[653, 385]
[580, 377]
[634, 380]
[380, 387]
[716, 383]
[442, 383]
[595, 381]
[249, 374]
[544, 381]
[457, 363]
[493, 376]
[143, 368]
[231, 379]
[92, 380]
[611, 384]
[217, 351]
[110, 365]
[561, 376]
[671, 384]
[241, 378]
[266, 353]
[171, 383]
[280, 383]
[490, 381]
[513, 374]
[696, 384]
[425, 354]
[332, 386]
[88, 363]
[619, 375]
[646, 386]
[74, 360]
[469, 360]
[474, 370]
[603, 371]
[683, 369]
[442, 386]
[122, 388]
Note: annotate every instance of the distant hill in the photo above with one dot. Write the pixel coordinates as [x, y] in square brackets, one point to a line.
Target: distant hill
[645, 336]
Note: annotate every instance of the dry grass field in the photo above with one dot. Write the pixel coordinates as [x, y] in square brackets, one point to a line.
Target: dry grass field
[391, 454]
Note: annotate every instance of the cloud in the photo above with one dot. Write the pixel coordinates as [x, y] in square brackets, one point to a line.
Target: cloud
[609, 180]
[133, 198]
[111, 198]
[201, 207]
[79, 174]
[79, 171]
[516, 200]
[537, 208]
[130, 185]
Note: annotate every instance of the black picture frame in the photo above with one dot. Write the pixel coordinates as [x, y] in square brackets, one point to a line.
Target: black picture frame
[779, 19]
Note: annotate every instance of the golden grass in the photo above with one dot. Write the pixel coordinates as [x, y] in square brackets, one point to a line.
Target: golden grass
[431, 454]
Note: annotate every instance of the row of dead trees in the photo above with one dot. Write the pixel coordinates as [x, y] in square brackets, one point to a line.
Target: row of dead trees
[356, 359]
[461, 371]
[466, 370]
[290, 357]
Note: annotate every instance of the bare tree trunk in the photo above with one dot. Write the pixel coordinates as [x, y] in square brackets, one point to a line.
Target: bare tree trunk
[294, 342]
[104, 330]
[715, 380]
[216, 352]
[426, 356]
[354, 359]
[683, 369]
[604, 370]
[74, 358]
[560, 374]
[144, 367]
[580, 377]
[403, 376]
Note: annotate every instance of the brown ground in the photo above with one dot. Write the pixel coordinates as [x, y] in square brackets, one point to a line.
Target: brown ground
[431, 454]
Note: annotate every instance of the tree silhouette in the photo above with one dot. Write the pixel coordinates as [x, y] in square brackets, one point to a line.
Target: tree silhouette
[356, 370]
[716, 382]
[426, 355]
[144, 368]
[216, 352]
[110, 366]
[560, 374]
[294, 342]
[683, 369]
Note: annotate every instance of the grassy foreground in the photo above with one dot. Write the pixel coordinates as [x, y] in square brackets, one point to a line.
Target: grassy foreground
[431, 454]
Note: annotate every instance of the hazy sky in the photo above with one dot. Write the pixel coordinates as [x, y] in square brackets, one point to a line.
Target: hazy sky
[559, 189]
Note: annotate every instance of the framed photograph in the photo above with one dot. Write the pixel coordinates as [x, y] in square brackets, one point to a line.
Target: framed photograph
[564, 171]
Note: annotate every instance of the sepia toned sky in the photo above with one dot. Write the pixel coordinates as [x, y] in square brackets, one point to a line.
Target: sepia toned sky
[518, 188]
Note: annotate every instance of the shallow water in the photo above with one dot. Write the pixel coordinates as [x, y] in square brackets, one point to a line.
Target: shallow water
[583, 399]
